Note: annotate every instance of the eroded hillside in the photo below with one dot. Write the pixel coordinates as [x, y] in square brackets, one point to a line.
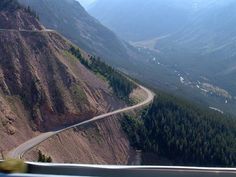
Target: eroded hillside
[103, 142]
[14, 16]
[42, 86]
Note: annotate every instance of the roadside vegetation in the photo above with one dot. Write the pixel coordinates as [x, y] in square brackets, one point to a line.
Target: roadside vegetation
[183, 133]
[43, 158]
[120, 85]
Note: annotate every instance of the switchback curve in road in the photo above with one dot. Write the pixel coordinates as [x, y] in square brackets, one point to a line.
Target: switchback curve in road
[19, 151]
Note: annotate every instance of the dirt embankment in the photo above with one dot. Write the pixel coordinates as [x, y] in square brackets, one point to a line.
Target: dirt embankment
[103, 142]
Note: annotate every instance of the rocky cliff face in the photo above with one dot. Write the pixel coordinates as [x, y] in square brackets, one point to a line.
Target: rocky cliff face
[42, 86]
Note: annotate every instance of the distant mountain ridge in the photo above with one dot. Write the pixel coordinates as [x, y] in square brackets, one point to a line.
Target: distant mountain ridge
[194, 38]
[209, 41]
[69, 18]
[137, 20]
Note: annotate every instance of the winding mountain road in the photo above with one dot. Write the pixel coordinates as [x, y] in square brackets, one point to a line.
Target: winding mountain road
[23, 148]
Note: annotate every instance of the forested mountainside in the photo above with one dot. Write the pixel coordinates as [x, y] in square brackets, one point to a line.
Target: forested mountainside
[121, 85]
[42, 85]
[183, 133]
[70, 19]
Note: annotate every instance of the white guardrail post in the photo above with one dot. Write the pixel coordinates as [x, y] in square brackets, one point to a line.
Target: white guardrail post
[44, 169]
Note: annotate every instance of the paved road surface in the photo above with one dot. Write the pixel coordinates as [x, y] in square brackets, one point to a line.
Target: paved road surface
[24, 30]
[23, 148]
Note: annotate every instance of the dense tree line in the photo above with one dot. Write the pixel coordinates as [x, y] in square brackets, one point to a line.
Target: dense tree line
[121, 86]
[31, 12]
[184, 133]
